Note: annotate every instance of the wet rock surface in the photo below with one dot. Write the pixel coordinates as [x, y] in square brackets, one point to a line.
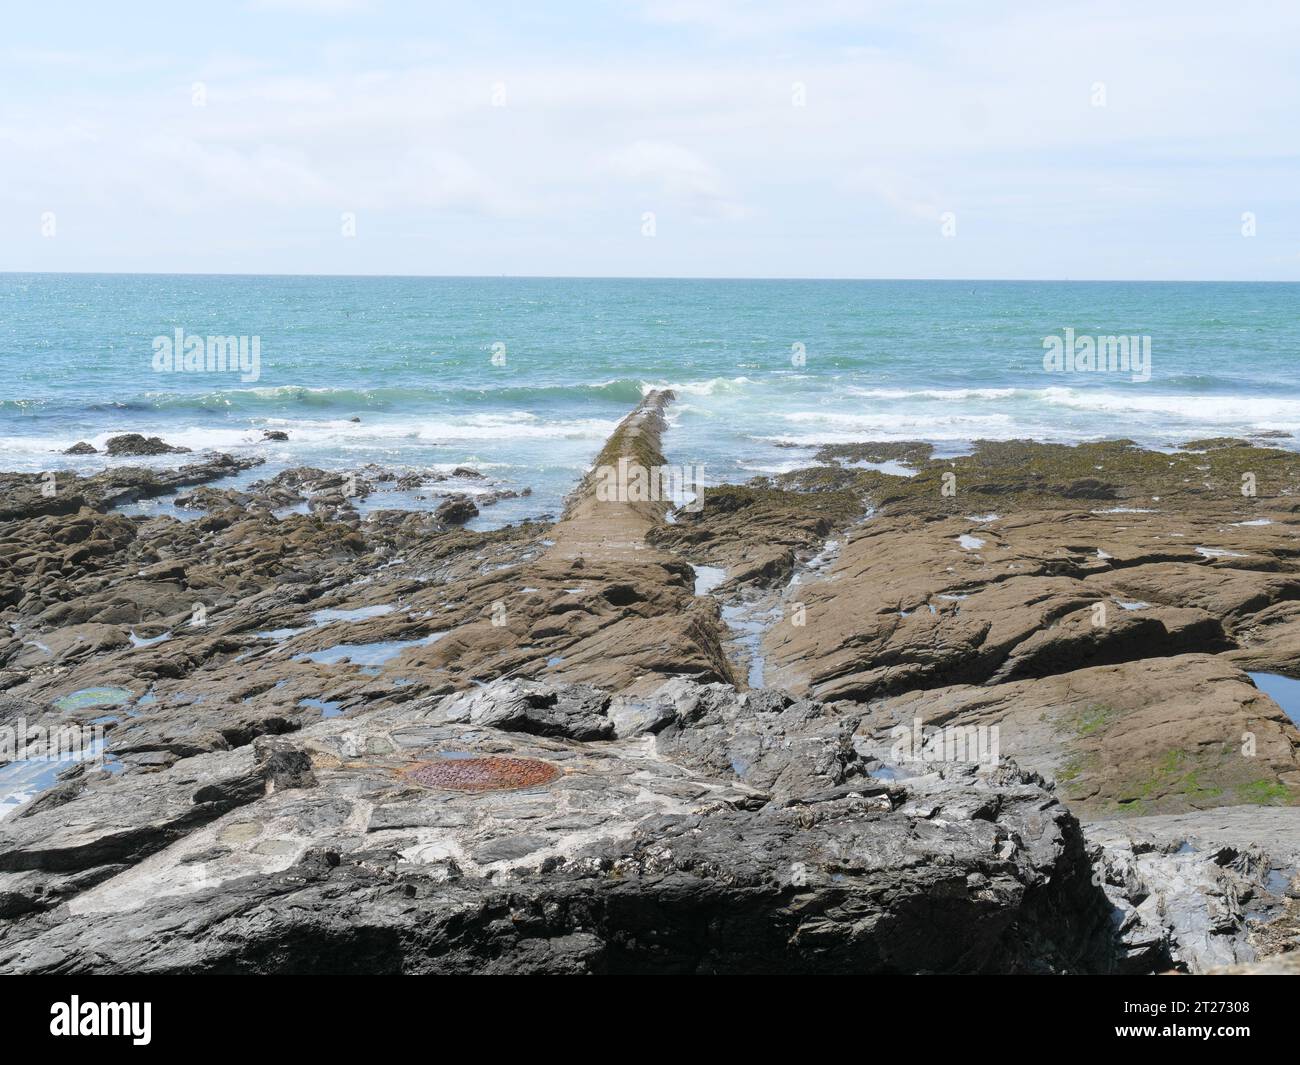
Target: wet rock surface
[283, 682]
[28, 495]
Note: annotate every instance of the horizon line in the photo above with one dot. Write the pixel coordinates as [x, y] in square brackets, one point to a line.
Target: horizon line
[651, 277]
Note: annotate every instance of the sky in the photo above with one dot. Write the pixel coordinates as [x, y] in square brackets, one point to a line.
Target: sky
[715, 138]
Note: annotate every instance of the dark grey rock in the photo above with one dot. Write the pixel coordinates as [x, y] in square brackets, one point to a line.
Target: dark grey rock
[627, 862]
[1199, 891]
[136, 444]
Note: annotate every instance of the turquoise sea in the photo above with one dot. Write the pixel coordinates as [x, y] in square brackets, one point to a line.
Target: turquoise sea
[757, 365]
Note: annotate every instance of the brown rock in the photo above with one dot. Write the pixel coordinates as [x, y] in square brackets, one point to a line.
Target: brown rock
[1157, 736]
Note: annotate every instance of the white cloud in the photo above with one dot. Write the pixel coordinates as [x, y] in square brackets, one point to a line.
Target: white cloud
[912, 110]
[906, 196]
[677, 174]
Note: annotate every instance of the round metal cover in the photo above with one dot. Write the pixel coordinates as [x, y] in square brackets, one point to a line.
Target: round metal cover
[489, 773]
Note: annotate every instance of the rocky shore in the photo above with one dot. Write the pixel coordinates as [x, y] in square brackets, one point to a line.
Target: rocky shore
[889, 713]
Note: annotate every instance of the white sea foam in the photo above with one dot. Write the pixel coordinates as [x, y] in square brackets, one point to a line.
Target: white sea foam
[945, 394]
[710, 387]
[1267, 411]
[1214, 409]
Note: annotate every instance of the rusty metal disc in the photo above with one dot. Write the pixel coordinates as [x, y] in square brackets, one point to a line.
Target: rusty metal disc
[489, 773]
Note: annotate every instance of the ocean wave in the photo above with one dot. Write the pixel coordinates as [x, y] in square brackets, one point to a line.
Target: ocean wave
[955, 395]
[885, 420]
[1202, 406]
[254, 399]
[511, 427]
[287, 400]
[1235, 409]
[310, 438]
[711, 387]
